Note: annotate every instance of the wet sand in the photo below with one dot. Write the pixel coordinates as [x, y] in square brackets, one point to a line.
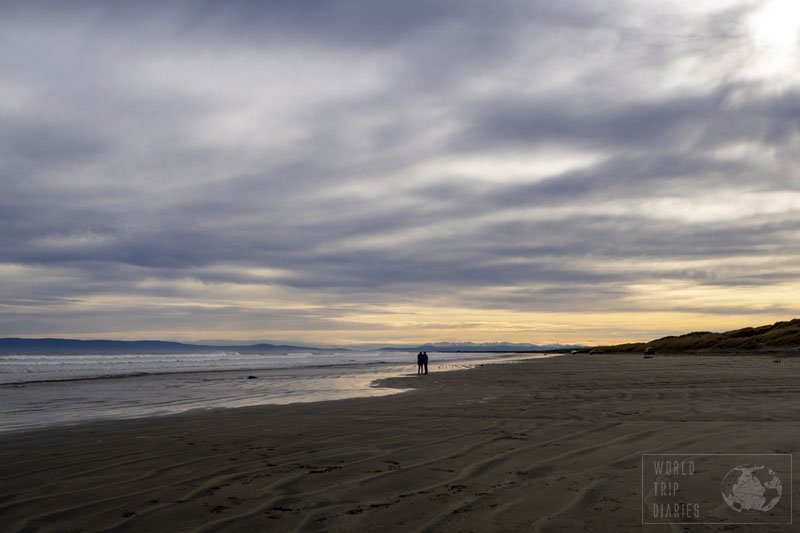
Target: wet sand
[545, 445]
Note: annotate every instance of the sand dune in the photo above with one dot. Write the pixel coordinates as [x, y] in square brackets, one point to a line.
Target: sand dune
[547, 445]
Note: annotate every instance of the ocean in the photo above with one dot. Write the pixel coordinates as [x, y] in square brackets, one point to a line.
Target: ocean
[46, 390]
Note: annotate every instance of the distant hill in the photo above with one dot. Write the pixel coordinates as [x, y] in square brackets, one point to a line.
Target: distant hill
[73, 346]
[480, 347]
[783, 335]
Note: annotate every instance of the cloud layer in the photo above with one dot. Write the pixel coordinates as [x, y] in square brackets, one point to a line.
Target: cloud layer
[360, 172]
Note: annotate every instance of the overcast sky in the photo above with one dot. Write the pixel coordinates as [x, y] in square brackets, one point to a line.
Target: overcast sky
[360, 171]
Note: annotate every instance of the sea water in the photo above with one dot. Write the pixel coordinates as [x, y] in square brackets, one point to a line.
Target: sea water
[45, 390]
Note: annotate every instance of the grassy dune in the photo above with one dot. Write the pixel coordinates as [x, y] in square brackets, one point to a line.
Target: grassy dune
[781, 335]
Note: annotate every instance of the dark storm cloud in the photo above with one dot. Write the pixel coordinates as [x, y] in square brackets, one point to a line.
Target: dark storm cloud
[170, 150]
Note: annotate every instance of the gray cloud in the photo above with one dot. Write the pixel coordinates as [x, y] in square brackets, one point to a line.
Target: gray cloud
[351, 154]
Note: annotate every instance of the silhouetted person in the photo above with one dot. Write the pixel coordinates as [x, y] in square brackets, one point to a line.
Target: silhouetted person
[425, 361]
[420, 363]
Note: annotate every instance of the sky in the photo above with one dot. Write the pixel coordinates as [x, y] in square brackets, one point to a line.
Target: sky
[352, 171]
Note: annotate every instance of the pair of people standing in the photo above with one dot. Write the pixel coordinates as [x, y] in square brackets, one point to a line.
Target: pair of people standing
[422, 363]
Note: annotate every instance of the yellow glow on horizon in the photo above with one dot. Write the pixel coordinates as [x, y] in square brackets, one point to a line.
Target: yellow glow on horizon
[417, 324]
[423, 324]
[564, 328]
[191, 310]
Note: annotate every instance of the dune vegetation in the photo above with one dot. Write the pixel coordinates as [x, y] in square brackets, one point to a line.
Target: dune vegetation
[781, 335]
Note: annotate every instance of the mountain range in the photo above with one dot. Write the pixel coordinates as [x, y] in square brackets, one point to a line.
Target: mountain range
[73, 346]
[15, 345]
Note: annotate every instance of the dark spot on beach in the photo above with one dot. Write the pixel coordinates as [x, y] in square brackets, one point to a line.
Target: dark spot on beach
[377, 505]
[128, 514]
[324, 469]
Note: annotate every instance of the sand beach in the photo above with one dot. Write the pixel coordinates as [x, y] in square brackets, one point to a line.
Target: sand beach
[545, 445]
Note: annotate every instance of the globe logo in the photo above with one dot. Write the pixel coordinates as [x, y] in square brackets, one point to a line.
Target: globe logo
[748, 487]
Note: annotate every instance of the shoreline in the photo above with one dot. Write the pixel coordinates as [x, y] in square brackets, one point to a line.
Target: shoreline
[40, 404]
[499, 357]
[550, 444]
[37, 404]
